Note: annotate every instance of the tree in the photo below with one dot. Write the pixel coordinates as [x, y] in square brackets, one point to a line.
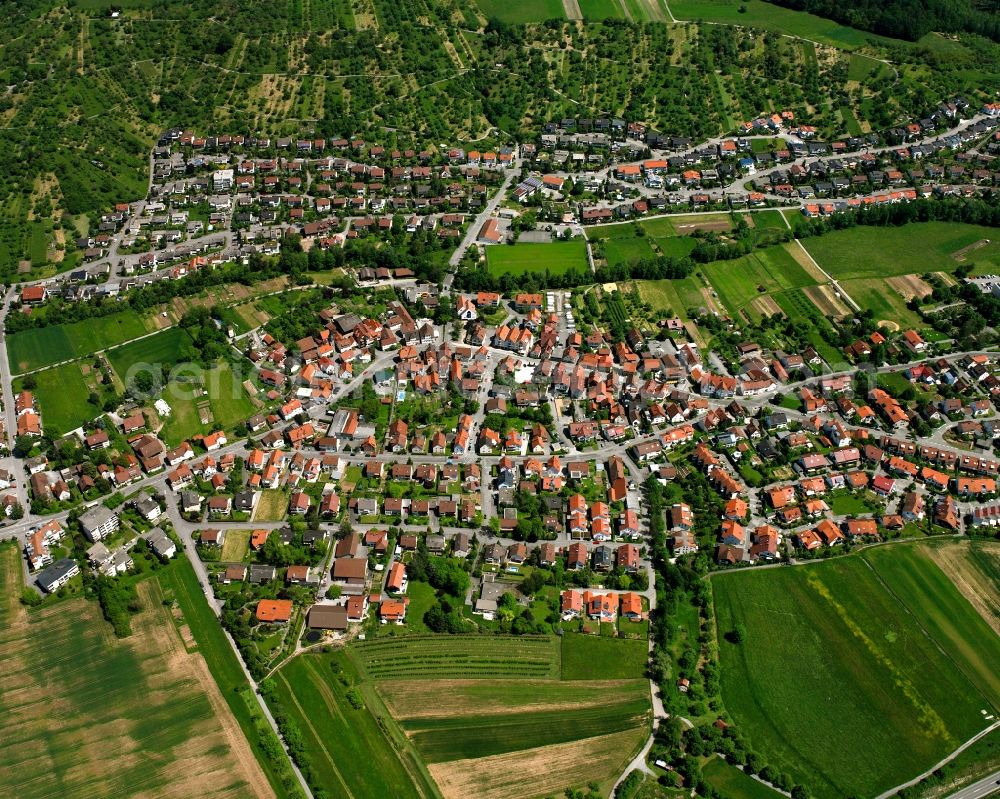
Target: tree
[737, 635]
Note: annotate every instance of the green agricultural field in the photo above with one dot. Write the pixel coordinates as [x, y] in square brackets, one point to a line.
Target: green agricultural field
[351, 751]
[596, 10]
[460, 657]
[541, 735]
[673, 297]
[180, 584]
[591, 657]
[523, 10]
[556, 257]
[456, 737]
[161, 723]
[62, 397]
[925, 590]
[868, 252]
[770, 219]
[731, 783]
[860, 67]
[161, 348]
[883, 300]
[623, 251]
[45, 346]
[220, 387]
[627, 230]
[768, 271]
[767, 16]
[844, 682]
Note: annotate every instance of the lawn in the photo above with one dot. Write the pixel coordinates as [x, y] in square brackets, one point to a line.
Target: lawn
[523, 10]
[62, 397]
[732, 783]
[45, 346]
[867, 252]
[555, 257]
[591, 657]
[672, 296]
[349, 750]
[767, 16]
[461, 657]
[843, 684]
[219, 387]
[161, 723]
[846, 504]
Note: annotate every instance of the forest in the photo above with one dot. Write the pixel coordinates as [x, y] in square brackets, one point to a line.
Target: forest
[907, 19]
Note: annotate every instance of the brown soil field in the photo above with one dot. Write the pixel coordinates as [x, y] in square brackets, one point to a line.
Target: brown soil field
[909, 286]
[766, 306]
[86, 714]
[973, 583]
[825, 299]
[414, 699]
[544, 771]
[717, 225]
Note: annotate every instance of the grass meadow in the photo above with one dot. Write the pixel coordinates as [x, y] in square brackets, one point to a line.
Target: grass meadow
[847, 680]
[759, 14]
[732, 783]
[62, 396]
[45, 346]
[522, 11]
[163, 347]
[554, 257]
[879, 252]
[596, 10]
[589, 657]
[224, 393]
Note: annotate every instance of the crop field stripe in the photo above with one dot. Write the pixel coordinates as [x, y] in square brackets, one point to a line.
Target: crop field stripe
[919, 584]
[448, 738]
[320, 746]
[222, 661]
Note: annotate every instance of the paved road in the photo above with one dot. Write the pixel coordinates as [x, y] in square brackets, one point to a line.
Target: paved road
[988, 786]
[480, 220]
[10, 463]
